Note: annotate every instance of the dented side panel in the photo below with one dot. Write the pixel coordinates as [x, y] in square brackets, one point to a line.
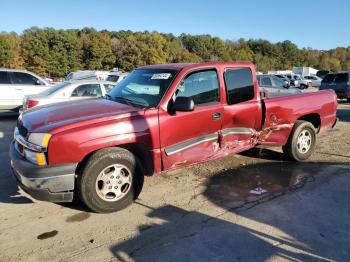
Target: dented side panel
[283, 112]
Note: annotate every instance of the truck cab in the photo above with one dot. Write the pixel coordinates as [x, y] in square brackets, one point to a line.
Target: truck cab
[159, 118]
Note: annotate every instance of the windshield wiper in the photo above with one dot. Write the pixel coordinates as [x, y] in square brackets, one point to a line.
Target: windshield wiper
[128, 101]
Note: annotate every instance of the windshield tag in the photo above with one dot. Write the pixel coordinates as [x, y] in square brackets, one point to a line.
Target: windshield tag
[161, 76]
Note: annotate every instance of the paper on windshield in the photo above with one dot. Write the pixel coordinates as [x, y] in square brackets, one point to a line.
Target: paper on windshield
[161, 76]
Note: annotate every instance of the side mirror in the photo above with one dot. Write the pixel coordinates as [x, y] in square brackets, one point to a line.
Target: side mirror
[183, 104]
[38, 82]
[264, 94]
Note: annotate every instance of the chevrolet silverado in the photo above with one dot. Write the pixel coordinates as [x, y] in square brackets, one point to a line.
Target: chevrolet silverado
[159, 118]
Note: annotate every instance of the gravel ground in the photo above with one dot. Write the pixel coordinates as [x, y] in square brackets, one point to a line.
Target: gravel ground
[202, 213]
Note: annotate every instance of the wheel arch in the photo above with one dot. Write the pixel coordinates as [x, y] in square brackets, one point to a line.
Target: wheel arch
[314, 119]
[143, 155]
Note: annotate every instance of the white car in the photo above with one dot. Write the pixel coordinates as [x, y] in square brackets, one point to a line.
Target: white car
[316, 81]
[68, 91]
[116, 77]
[299, 81]
[15, 84]
[88, 75]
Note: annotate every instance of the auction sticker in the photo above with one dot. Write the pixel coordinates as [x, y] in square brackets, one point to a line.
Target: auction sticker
[161, 76]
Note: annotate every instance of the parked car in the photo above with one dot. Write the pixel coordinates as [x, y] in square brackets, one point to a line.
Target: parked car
[68, 91]
[339, 82]
[284, 78]
[275, 86]
[88, 75]
[299, 82]
[159, 118]
[315, 80]
[116, 77]
[15, 84]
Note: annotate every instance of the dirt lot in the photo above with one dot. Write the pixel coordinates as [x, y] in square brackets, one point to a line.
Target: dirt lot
[202, 213]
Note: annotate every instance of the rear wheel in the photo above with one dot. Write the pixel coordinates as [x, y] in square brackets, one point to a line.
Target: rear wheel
[301, 142]
[302, 86]
[110, 181]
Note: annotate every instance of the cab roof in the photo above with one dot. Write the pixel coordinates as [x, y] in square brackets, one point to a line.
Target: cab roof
[180, 66]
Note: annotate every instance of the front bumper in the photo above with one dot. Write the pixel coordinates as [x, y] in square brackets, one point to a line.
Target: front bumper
[53, 183]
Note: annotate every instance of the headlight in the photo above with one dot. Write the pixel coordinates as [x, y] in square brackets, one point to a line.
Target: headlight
[41, 140]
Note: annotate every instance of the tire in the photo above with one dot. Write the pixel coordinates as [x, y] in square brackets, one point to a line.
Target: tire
[99, 191]
[302, 86]
[297, 148]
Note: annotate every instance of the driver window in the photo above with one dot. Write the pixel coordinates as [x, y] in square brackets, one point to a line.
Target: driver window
[202, 87]
[24, 79]
[278, 82]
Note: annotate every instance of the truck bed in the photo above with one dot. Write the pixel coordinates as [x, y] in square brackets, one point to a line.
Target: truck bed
[282, 112]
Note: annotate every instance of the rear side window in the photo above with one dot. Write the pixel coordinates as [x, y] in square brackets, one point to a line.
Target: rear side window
[329, 78]
[87, 90]
[24, 79]
[341, 77]
[202, 87]
[4, 78]
[239, 85]
[266, 81]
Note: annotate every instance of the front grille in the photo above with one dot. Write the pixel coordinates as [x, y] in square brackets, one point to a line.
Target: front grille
[21, 129]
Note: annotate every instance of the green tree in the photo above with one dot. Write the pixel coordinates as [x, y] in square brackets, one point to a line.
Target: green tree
[10, 51]
[35, 47]
[97, 53]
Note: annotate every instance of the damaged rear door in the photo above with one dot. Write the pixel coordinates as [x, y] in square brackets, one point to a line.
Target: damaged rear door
[242, 112]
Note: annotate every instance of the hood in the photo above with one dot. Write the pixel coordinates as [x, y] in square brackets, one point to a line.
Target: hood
[58, 117]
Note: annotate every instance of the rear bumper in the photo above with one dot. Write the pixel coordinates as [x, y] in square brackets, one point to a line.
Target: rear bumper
[49, 183]
[340, 93]
[343, 93]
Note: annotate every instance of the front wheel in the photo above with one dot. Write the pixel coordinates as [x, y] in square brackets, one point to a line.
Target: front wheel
[302, 86]
[302, 141]
[110, 181]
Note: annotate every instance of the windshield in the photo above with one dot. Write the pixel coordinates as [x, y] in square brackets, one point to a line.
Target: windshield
[54, 88]
[143, 87]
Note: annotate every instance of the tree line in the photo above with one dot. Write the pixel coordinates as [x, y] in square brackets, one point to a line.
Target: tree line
[55, 53]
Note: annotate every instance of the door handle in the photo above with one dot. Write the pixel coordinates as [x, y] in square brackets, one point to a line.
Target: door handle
[217, 116]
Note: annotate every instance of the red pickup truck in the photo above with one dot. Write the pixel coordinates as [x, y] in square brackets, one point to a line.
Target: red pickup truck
[159, 118]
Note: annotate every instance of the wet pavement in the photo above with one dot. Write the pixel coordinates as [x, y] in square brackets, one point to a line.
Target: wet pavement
[245, 187]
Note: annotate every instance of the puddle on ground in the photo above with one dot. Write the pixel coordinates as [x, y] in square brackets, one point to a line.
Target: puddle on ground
[47, 235]
[78, 217]
[248, 184]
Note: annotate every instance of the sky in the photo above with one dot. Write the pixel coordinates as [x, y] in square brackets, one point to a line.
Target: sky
[317, 24]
